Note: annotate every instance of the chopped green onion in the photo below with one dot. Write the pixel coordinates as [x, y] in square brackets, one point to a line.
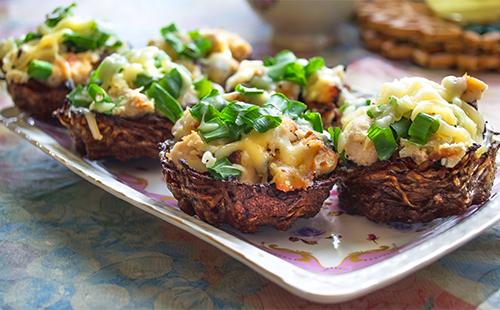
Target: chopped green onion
[261, 82]
[393, 101]
[374, 111]
[314, 64]
[174, 41]
[289, 107]
[113, 44]
[295, 108]
[203, 87]
[281, 57]
[80, 43]
[97, 93]
[198, 47]
[232, 113]
[159, 59]
[280, 101]
[172, 82]
[343, 107]
[401, 128]
[143, 80]
[94, 77]
[104, 107]
[315, 119]
[39, 69]
[109, 67]
[223, 169]
[422, 128]
[222, 120]
[248, 90]
[212, 100]
[221, 132]
[169, 28]
[79, 97]
[286, 67]
[53, 18]
[215, 99]
[266, 122]
[164, 102]
[384, 141]
[294, 72]
[334, 136]
[30, 36]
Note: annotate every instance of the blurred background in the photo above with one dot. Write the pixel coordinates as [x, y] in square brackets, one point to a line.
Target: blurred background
[140, 21]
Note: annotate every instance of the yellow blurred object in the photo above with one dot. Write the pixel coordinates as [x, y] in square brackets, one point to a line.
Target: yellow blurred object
[467, 11]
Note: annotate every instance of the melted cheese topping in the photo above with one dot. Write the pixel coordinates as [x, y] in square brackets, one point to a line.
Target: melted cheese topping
[461, 125]
[119, 72]
[247, 70]
[289, 156]
[50, 48]
[228, 49]
[323, 86]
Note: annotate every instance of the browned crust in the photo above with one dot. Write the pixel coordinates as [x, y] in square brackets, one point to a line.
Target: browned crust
[243, 206]
[329, 111]
[37, 98]
[401, 191]
[123, 138]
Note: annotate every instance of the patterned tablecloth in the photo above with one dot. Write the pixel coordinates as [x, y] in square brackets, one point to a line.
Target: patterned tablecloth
[65, 243]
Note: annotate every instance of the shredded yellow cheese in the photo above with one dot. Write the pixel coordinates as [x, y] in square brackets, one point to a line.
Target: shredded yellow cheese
[92, 123]
[50, 48]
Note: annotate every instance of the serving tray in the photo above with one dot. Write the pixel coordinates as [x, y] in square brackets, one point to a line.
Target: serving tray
[332, 257]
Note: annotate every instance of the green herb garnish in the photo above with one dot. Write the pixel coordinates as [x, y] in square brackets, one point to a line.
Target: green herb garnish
[196, 48]
[30, 36]
[315, 119]
[199, 46]
[39, 69]
[78, 43]
[143, 80]
[100, 98]
[285, 67]
[384, 141]
[53, 18]
[292, 108]
[248, 90]
[334, 136]
[223, 169]
[172, 82]
[401, 128]
[203, 87]
[167, 105]
[220, 119]
[314, 64]
[79, 97]
[422, 128]
[108, 67]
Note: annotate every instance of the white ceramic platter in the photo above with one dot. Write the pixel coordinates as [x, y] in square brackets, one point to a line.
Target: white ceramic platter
[332, 257]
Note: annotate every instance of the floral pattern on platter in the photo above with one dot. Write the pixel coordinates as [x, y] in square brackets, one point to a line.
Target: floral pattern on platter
[323, 244]
[62, 251]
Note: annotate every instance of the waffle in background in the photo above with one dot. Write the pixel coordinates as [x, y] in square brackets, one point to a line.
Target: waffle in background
[404, 29]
